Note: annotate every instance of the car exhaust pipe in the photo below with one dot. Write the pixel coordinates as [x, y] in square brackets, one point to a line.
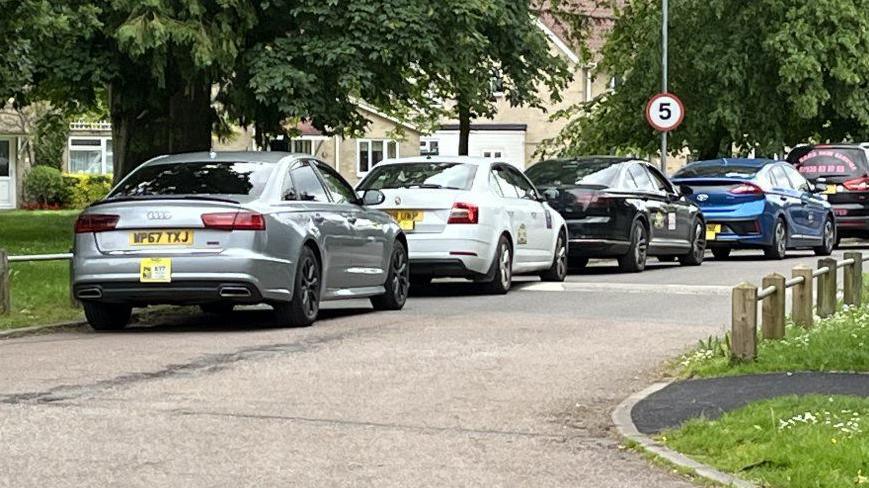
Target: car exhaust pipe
[89, 294]
[234, 292]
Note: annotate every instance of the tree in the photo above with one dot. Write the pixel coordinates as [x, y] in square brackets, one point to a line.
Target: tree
[762, 75]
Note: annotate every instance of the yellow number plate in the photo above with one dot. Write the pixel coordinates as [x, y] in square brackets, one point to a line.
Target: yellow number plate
[712, 231]
[407, 219]
[155, 270]
[161, 238]
[831, 189]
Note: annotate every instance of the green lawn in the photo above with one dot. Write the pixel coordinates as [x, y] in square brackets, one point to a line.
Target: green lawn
[838, 343]
[40, 291]
[792, 442]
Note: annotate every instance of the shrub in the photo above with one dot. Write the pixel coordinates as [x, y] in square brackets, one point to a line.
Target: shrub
[44, 187]
[87, 189]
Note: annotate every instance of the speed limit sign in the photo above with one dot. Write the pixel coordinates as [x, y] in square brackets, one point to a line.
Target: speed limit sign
[665, 112]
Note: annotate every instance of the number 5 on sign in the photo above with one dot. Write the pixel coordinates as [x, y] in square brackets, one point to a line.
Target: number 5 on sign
[665, 112]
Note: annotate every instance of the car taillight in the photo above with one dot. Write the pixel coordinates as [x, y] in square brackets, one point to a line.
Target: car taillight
[95, 223]
[747, 189]
[234, 221]
[464, 213]
[860, 184]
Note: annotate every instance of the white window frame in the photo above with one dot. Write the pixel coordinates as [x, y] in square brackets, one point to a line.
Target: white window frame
[371, 164]
[425, 146]
[12, 178]
[104, 169]
[313, 140]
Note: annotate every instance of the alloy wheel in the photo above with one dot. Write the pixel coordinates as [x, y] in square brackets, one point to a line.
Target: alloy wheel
[400, 276]
[504, 267]
[561, 257]
[829, 236]
[642, 248]
[699, 242]
[310, 287]
[780, 239]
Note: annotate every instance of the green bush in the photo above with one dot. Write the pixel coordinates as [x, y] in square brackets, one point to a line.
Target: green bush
[44, 187]
[87, 189]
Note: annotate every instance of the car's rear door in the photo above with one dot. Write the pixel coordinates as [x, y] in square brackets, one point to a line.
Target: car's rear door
[656, 204]
[518, 212]
[814, 208]
[798, 214]
[680, 213]
[540, 236]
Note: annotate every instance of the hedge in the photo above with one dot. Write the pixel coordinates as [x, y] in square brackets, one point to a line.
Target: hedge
[46, 187]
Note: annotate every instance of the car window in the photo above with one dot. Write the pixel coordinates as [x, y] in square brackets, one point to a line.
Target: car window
[508, 186]
[797, 180]
[525, 188]
[494, 185]
[341, 191]
[779, 179]
[822, 161]
[659, 181]
[199, 178]
[641, 178]
[435, 175]
[307, 184]
[569, 173]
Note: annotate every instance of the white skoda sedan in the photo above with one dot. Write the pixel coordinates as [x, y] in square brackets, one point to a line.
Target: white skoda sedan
[471, 218]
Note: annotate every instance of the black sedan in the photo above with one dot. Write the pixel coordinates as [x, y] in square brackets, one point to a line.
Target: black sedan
[621, 208]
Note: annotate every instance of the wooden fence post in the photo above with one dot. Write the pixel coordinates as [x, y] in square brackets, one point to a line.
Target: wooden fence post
[5, 305]
[774, 308]
[743, 341]
[803, 298]
[854, 279]
[827, 284]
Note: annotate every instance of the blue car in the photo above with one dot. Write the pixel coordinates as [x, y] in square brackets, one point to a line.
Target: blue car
[759, 204]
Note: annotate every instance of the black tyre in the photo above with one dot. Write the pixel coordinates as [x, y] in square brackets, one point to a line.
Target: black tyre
[107, 316]
[217, 308]
[635, 260]
[830, 239]
[721, 253]
[397, 281]
[302, 311]
[501, 270]
[779, 247]
[698, 246]
[558, 270]
[576, 262]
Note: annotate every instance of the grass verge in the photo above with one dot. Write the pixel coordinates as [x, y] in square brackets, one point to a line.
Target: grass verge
[838, 343]
[40, 291]
[813, 441]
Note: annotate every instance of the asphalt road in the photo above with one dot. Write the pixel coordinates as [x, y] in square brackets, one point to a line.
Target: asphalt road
[459, 389]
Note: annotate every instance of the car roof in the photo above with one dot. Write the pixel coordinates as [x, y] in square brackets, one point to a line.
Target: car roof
[272, 157]
[752, 162]
[595, 159]
[478, 161]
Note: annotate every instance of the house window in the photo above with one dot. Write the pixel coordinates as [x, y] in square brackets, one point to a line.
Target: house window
[429, 147]
[302, 146]
[492, 154]
[372, 151]
[92, 155]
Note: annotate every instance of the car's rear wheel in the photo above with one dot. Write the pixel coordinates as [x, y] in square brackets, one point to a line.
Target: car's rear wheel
[107, 316]
[217, 308]
[721, 253]
[501, 270]
[698, 247]
[303, 309]
[558, 270]
[397, 281]
[830, 239]
[635, 260]
[779, 247]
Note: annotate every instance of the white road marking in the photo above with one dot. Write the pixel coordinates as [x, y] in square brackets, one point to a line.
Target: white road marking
[642, 288]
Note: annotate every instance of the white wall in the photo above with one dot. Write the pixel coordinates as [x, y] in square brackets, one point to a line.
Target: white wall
[511, 144]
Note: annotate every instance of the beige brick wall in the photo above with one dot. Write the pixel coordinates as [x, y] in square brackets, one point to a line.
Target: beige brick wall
[379, 128]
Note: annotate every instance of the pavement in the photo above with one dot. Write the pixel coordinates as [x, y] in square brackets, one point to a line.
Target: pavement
[459, 389]
[710, 398]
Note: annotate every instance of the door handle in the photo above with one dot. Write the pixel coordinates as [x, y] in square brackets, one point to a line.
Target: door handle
[318, 219]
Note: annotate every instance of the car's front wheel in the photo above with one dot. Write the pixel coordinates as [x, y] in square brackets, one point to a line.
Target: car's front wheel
[830, 239]
[107, 316]
[635, 260]
[397, 281]
[558, 270]
[303, 309]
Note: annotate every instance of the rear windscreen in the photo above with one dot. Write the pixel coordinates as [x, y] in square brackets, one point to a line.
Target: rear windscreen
[831, 162]
[557, 173]
[206, 178]
[451, 176]
[717, 171]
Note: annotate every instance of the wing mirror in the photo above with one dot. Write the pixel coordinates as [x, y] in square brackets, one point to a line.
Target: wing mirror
[372, 198]
[686, 190]
[551, 194]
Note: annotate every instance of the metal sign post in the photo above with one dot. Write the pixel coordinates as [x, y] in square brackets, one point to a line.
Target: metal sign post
[664, 88]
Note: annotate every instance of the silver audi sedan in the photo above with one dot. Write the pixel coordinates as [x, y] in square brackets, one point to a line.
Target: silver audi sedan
[224, 229]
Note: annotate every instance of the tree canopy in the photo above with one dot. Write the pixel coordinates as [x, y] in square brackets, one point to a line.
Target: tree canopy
[762, 75]
[164, 63]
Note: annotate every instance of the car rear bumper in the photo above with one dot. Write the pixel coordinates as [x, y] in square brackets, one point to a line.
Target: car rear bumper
[597, 248]
[198, 278]
[459, 257]
[734, 235]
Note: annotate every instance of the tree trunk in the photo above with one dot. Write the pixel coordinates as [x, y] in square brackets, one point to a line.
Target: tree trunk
[464, 127]
[149, 121]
